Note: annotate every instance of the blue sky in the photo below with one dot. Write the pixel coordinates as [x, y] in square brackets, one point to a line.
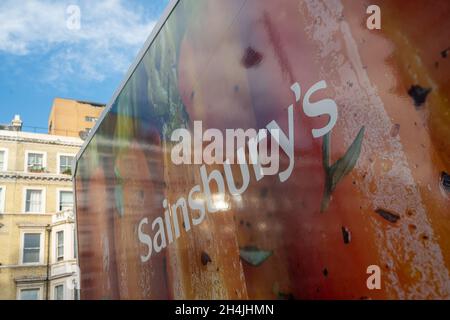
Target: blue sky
[42, 58]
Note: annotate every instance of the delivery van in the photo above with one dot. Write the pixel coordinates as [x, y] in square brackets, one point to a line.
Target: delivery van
[261, 149]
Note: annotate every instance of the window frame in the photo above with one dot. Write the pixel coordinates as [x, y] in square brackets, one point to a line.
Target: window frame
[21, 288]
[58, 198]
[59, 284]
[27, 154]
[41, 246]
[43, 200]
[57, 256]
[5, 160]
[75, 243]
[90, 119]
[2, 199]
[58, 160]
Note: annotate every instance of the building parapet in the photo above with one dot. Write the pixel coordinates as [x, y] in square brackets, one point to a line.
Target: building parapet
[20, 136]
[62, 269]
[63, 216]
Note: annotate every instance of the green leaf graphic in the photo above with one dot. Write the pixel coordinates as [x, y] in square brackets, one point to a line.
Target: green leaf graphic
[341, 168]
[345, 165]
[254, 256]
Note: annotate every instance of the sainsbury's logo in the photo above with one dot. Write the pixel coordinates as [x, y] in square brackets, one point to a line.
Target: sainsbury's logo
[232, 149]
[222, 149]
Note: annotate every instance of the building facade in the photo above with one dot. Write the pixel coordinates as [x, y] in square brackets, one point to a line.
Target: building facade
[73, 118]
[37, 226]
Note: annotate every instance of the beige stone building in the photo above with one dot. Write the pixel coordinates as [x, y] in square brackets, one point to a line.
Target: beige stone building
[73, 118]
[37, 228]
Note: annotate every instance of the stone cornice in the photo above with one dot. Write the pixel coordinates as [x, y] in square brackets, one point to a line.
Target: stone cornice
[7, 266]
[34, 176]
[28, 279]
[41, 139]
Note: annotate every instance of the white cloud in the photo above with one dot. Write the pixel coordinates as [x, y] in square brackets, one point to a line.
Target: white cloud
[111, 34]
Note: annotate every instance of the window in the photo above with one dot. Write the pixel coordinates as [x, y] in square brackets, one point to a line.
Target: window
[90, 119]
[60, 245]
[75, 249]
[65, 200]
[35, 162]
[2, 199]
[3, 160]
[31, 248]
[76, 295]
[65, 164]
[59, 292]
[30, 294]
[33, 201]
